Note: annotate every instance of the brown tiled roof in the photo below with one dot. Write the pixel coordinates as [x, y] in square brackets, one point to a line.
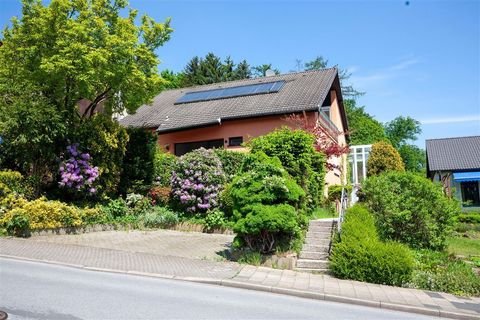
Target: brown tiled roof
[448, 154]
[303, 91]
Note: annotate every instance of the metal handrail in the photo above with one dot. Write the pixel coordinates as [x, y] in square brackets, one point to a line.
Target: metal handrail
[343, 209]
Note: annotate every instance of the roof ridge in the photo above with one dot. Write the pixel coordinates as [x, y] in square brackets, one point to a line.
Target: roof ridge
[461, 137]
[252, 79]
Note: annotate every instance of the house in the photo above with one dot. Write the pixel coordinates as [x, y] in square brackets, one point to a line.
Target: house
[455, 162]
[230, 113]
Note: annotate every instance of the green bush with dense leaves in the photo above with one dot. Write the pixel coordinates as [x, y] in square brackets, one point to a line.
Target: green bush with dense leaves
[383, 158]
[138, 162]
[359, 255]
[471, 217]
[264, 200]
[159, 217]
[163, 165]
[231, 161]
[296, 152]
[106, 141]
[437, 271]
[410, 209]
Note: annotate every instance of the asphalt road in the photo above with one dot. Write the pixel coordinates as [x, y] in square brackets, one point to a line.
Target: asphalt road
[30, 290]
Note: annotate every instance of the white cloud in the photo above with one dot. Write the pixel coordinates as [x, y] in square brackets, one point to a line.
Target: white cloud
[457, 119]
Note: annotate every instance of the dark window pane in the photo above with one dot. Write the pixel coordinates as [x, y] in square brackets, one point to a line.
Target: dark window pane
[235, 141]
[470, 193]
[182, 148]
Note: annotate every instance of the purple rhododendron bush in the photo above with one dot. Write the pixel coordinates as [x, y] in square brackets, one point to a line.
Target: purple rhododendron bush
[76, 172]
[197, 181]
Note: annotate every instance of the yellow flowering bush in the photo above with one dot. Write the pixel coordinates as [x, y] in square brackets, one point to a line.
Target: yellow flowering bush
[44, 214]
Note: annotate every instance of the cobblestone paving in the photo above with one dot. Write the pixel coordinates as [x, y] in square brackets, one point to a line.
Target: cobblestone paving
[194, 245]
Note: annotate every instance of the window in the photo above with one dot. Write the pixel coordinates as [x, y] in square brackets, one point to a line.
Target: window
[235, 141]
[182, 148]
[470, 194]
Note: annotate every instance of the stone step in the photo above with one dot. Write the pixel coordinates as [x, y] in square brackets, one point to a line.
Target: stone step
[315, 248]
[319, 235]
[319, 229]
[310, 270]
[317, 241]
[320, 223]
[313, 255]
[312, 264]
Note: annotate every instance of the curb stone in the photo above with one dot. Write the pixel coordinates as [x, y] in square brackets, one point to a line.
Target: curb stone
[276, 290]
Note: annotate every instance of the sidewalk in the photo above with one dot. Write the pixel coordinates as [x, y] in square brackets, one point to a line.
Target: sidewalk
[322, 287]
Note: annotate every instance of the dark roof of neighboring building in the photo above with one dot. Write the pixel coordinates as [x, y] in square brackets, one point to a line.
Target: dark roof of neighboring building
[303, 91]
[462, 153]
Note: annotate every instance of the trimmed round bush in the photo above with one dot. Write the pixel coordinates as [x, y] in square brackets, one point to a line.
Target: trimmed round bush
[384, 157]
[410, 209]
[197, 181]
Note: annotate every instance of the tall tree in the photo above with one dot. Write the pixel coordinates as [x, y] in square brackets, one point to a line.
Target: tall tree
[321, 63]
[363, 128]
[400, 131]
[69, 50]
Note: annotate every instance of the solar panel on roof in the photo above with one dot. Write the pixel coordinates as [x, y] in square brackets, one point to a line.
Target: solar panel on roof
[239, 91]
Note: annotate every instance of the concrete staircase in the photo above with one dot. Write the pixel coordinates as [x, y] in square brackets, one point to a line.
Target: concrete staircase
[316, 249]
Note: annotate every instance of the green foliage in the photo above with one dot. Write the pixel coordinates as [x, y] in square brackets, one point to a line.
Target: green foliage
[212, 69]
[33, 133]
[437, 271]
[106, 142]
[335, 191]
[295, 149]
[473, 217]
[414, 158]
[264, 198]
[231, 161]
[363, 128]
[383, 158]
[163, 164]
[252, 258]
[115, 208]
[361, 256]
[13, 182]
[264, 227]
[138, 162]
[159, 217]
[410, 209]
[214, 219]
[88, 50]
[402, 129]
[18, 223]
[197, 181]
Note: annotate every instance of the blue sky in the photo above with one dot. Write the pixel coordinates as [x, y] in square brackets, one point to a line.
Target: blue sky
[420, 60]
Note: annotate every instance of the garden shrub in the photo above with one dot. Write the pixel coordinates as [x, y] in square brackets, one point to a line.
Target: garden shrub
[231, 161]
[214, 219]
[91, 216]
[264, 199]
[296, 152]
[335, 191]
[410, 209]
[44, 214]
[138, 162]
[359, 255]
[160, 195]
[384, 157]
[197, 180]
[163, 165]
[13, 181]
[472, 217]
[266, 227]
[105, 140]
[115, 208]
[159, 217]
[437, 271]
[137, 204]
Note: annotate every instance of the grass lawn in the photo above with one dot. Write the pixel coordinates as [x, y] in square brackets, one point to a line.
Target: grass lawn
[463, 246]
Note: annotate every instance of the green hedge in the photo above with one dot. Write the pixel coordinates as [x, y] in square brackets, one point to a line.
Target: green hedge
[359, 255]
[231, 161]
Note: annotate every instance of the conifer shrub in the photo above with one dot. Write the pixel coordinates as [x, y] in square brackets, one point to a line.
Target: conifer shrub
[384, 157]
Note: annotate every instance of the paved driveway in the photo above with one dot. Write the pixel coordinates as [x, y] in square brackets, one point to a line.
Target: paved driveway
[194, 245]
